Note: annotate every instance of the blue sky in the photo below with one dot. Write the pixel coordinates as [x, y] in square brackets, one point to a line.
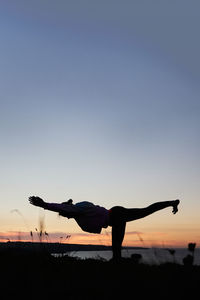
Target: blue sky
[99, 102]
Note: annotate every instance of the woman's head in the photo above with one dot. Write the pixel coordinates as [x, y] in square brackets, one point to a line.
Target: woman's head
[69, 202]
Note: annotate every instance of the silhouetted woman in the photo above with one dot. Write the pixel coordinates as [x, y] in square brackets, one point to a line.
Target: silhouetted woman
[92, 218]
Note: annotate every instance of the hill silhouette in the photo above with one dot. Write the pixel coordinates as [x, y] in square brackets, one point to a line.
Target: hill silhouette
[39, 275]
[54, 247]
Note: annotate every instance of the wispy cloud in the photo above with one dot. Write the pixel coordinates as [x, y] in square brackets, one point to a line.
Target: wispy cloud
[65, 237]
[76, 238]
[132, 238]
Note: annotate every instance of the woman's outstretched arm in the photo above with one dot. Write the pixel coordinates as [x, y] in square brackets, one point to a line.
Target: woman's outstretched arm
[65, 209]
[37, 201]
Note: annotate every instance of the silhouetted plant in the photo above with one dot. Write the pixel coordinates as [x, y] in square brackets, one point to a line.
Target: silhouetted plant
[31, 234]
[136, 258]
[188, 260]
[19, 236]
[47, 236]
[172, 252]
[41, 227]
[191, 247]
[37, 233]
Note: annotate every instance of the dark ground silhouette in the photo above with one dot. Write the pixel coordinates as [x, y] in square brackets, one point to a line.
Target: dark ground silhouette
[41, 276]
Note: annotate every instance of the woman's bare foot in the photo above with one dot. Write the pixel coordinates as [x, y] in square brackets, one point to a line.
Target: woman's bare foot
[175, 206]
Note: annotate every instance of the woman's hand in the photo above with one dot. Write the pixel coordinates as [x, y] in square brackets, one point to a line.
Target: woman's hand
[37, 201]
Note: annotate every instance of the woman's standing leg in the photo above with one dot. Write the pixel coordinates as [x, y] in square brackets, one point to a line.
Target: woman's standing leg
[118, 224]
[118, 231]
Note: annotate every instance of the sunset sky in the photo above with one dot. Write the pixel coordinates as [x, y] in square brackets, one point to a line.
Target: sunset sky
[99, 101]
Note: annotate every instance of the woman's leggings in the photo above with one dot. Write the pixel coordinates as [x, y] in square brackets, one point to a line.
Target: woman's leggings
[120, 215]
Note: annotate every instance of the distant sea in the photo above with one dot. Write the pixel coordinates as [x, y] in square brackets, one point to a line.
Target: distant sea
[149, 256]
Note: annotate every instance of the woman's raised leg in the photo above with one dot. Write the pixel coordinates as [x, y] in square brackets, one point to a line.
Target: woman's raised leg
[131, 214]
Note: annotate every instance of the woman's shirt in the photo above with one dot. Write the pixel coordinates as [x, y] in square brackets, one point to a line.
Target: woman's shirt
[91, 218]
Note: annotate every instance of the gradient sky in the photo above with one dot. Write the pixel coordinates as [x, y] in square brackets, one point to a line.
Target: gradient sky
[99, 101]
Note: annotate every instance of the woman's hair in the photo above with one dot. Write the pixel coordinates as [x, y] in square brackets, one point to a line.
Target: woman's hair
[68, 202]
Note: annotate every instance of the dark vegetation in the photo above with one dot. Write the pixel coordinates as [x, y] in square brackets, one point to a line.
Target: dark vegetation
[50, 247]
[55, 247]
[39, 275]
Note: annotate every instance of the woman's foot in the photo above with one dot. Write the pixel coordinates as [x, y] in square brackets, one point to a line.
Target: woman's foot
[175, 206]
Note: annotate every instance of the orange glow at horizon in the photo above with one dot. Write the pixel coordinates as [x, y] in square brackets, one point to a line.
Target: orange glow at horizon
[132, 238]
